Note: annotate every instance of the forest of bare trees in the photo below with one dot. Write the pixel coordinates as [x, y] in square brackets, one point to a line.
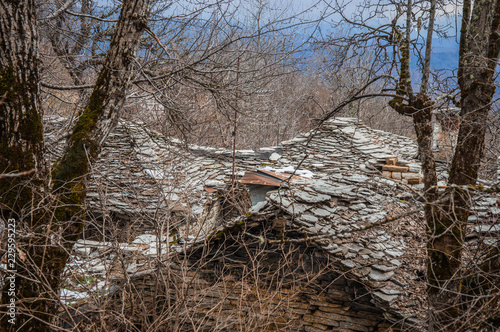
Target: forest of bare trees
[240, 75]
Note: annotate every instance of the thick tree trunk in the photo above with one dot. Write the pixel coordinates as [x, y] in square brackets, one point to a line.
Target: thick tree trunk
[479, 51]
[51, 237]
[21, 132]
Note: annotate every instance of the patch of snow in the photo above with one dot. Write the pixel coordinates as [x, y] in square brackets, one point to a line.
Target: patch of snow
[214, 183]
[305, 173]
[68, 295]
[175, 140]
[101, 284]
[290, 170]
[197, 209]
[257, 207]
[172, 197]
[146, 239]
[155, 174]
[154, 250]
[349, 130]
[274, 156]
[487, 228]
[82, 251]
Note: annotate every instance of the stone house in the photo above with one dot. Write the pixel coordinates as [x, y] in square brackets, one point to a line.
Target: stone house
[322, 251]
[331, 239]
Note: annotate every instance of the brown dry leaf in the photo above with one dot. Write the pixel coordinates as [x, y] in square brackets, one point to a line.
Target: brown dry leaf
[21, 254]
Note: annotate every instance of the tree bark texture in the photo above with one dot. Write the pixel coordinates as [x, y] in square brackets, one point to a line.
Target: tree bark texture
[51, 237]
[21, 132]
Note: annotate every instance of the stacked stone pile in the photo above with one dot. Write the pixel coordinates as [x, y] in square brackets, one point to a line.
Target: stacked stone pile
[401, 170]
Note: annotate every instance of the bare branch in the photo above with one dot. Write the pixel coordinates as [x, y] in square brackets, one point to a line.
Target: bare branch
[15, 175]
[58, 12]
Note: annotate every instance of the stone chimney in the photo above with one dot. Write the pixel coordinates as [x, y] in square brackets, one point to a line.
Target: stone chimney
[446, 122]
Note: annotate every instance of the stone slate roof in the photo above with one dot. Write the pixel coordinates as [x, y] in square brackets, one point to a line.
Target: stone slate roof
[141, 171]
[345, 209]
[142, 174]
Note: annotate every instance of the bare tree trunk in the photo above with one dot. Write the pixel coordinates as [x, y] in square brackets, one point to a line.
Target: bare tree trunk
[419, 106]
[21, 132]
[478, 62]
[100, 115]
[446, 215]
[426, 70]
[51, 236]
[479, 53]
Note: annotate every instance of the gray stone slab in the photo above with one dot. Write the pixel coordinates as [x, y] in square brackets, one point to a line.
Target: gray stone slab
[280, 199]
[378, 275]
[357, 178]
[395, 262]
[296, 209]
[414, 168]
[385, 297]
[390, 291]
[374, 217]
[383, 268]
[357, 207]
[309, 217]
[394, 252]
[320, 212]
[348, 263]
[310, 197]
[377, 255]
[353, 247]
[257, 207]
[325, 188]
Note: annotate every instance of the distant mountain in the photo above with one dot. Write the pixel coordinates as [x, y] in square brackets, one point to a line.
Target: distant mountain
[444, 60]
[445, 54]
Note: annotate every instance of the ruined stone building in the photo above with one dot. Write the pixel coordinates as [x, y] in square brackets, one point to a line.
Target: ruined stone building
[321, 233]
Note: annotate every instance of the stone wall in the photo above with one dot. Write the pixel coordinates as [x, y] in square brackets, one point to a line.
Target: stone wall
[249, 284]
